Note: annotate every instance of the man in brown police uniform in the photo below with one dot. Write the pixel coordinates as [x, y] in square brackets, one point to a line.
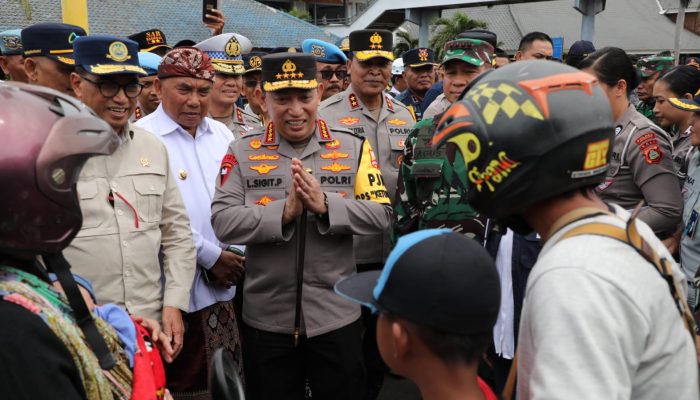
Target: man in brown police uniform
[368, 111]
[298, 171]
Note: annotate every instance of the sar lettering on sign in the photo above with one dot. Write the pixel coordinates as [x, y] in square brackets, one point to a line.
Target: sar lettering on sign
[494, 173]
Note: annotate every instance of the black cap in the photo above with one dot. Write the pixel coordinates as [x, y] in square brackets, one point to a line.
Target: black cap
[578, 51]
[283, 49]
[253, 61]
[371, 43]
[185, 43]
[418, 57]
[435, 278]
[51, 40]
[150, 40]
[481, 34]
[288, 70]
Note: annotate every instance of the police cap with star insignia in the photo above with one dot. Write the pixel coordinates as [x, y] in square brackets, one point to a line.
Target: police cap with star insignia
[288, 70]
[253, 61]
[225, 53]
[372, 43]
[52, 40]
[419, 57]
[107, 55]
[324, 52]
[11, 42]
[150, 40]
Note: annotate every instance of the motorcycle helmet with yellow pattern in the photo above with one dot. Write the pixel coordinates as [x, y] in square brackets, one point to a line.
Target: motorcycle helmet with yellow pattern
[527, 132]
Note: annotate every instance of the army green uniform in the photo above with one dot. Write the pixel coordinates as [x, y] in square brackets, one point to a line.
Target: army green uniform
[387, 135]
[432, 188]
[647, 110]
[642, 169]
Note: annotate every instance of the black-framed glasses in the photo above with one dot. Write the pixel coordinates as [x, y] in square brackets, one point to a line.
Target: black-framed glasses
[110, 89]
[251, 83]
[328, 74]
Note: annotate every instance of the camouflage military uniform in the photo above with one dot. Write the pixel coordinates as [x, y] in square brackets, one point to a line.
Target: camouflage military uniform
[432, 188]
[647, 110]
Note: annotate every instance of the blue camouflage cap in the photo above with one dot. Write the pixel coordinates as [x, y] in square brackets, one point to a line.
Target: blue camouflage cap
[149, 62]
[107, 55]
[11, 42]
[323, 51]
[225, 52]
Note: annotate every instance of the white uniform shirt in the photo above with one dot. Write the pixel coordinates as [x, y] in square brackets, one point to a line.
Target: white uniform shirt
[503, 334]
[599, 322]
[196, 163]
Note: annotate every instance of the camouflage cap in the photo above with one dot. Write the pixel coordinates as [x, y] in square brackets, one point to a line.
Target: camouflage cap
[648, 66]
[472, 51]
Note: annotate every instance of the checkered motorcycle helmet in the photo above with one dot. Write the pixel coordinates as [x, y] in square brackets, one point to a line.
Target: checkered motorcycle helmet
[527, 132]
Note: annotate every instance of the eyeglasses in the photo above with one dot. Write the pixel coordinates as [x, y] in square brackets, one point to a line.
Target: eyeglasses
[110, 89]
[328, 74]
[252, 83]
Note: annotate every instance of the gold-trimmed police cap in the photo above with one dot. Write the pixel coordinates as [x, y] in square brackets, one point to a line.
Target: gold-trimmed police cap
[253, 61]
[52, 40]
[288, 70]
[107, 55]
[150, 40]
[371, 43]
[225, 52]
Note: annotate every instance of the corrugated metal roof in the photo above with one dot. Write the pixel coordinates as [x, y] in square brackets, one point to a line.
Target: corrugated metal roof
[265, 26]
[634, 25]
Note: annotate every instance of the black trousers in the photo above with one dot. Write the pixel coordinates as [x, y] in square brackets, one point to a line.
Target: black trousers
[332, 362]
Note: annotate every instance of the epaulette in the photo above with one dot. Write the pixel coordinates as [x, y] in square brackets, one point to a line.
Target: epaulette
[332, 100]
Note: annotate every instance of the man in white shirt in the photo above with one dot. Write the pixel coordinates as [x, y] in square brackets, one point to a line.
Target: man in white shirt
[196, 146]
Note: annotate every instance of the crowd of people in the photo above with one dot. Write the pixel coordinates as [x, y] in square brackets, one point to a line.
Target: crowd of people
[485, 226]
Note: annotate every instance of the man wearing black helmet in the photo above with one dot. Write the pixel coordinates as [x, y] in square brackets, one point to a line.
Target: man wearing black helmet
[598, 321]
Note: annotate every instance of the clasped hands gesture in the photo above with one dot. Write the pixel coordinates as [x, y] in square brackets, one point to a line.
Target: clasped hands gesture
[304, 192]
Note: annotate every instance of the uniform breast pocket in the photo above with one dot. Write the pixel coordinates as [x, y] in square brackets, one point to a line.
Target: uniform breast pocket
[397, 144]
[91, 204]
[149, 189]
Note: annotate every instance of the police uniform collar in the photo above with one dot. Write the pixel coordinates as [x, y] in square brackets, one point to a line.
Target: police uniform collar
[627, 115]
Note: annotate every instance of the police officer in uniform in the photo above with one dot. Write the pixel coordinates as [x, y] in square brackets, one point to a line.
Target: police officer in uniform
[148, 100]
[225, 53]
[48, 54]
[641, 167]
[419, 65]
[252, 62]
[368, 111]
[296, 172]
[330, 65]
[11, 61]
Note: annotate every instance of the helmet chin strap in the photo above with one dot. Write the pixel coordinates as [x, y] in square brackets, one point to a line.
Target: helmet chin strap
[57, 264]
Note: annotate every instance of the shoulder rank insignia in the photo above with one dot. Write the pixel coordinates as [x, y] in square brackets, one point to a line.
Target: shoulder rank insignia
[334, 155]
[263, 168]
[239, 115]
[397, 122]
[255, 144]
[138, 113]
[354, 103]
[269, 134]
[349, 121]
[323, 130]
[263, 157]
[336, 167]
[263, 201]
[335, 144]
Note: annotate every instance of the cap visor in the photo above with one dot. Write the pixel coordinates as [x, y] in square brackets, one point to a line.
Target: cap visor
[358, 288]
[66, 58]
[157, 47]
[420, 64]
[366, 55]
[685, 104]
[469, 60]
[279, 85]
[113, 69]
[228, 68]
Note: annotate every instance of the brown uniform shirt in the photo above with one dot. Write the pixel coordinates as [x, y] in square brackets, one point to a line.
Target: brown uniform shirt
[241, 122]
[642, 168]
[248, 206]
[387, 135]
[131, 207]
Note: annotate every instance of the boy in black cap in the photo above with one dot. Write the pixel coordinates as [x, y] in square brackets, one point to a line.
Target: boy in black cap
[438, 297]
[48, 53]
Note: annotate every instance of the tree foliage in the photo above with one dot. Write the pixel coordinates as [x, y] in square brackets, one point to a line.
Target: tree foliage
[404, 43]
[446, 29]
[303, 15]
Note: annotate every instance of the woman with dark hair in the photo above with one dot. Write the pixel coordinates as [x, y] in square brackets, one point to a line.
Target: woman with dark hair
[641, 168]
[679, 83]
